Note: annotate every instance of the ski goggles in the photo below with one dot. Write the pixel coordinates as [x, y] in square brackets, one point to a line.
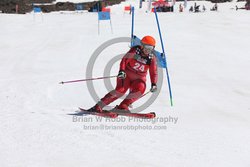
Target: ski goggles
[148, 47]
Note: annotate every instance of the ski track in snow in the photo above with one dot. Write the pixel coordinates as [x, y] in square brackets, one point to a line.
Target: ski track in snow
[208, 61]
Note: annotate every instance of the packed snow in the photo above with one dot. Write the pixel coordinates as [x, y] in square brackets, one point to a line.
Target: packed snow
[208, 62]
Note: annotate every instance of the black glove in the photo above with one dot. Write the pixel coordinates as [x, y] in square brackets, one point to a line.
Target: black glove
[153, 87]
[121, 75]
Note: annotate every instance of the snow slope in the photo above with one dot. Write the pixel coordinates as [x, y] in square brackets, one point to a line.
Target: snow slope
[208, 58]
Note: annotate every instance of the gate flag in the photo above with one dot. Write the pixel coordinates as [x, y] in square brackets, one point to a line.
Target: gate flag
[37, 9]
[103, 15]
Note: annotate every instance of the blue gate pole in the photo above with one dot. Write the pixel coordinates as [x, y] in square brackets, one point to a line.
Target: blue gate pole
[132, 28]
[168, 79]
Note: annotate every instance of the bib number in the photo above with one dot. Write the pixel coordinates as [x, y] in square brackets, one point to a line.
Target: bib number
[138, 67]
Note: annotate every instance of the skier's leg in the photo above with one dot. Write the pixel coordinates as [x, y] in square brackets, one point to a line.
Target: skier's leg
[137, 89]
[121, 88]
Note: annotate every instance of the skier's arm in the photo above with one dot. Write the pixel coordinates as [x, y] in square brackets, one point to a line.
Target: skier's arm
[125, 59]
[153, 71]
[123, 64]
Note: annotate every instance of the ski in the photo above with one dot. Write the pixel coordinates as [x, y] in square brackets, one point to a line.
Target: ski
[103, 114]
[115, 113]
[149, 115]
[139, 115]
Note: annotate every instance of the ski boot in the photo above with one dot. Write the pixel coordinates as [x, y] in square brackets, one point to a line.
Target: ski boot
[96, 108]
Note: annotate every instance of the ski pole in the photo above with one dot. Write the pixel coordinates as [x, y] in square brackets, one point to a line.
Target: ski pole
[145, 94]
[89, 79]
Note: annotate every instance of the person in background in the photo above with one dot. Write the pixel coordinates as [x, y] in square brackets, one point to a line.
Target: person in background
[180, 8]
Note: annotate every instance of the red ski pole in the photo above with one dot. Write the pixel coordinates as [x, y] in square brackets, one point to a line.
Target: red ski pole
[89, 79]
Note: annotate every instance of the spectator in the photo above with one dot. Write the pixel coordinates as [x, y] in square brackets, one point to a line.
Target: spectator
[247, 5]
[215, 7]
[203, 8]
[180, 8]
[196, 8]
[191, 9]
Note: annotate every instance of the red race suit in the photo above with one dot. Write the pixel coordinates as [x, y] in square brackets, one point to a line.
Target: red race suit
[136, 65]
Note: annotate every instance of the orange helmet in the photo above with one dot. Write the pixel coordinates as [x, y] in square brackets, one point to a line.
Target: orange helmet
[148, 40]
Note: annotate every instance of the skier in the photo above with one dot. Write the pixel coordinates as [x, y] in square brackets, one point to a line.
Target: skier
[132, 75]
